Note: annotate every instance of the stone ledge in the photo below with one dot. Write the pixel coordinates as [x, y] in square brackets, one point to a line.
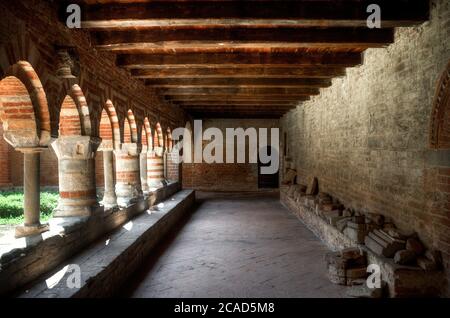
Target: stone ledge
[28, 258]
[106, 264]
[402, 281]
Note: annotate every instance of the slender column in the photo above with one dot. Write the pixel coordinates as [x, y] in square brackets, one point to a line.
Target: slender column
[76, 159]
[143, 170]
[109, 196]
[31, 189]
[128, 185]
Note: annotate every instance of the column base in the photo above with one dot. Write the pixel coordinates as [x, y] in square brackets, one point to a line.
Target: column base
[73, 210]
[109, 201]
[30, 230]
[157, 184]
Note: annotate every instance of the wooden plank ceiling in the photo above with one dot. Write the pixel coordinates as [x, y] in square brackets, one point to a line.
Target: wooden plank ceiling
[241, 58]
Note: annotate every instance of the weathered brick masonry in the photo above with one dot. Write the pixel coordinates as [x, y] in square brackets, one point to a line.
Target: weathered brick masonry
[40, 34]
[32, 33]
[226, 176]
[367, 137]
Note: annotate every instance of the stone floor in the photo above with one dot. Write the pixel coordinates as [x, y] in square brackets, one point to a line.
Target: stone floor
[237, 247]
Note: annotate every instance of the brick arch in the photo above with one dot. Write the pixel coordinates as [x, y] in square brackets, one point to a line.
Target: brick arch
[168, 139]
[23, 60]
[130, 134]
[69, 118]
[109, 129]
[24, 107]
[74, 116]
[147, 135]
[440, 119]
[158, 138]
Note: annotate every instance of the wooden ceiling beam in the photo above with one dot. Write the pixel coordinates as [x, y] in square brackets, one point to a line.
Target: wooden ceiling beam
[218, 40]
[247, 82]
[158, 14]
[241, 59]
[236, 97]
[169, 72]
[235, 102]
[238, 90]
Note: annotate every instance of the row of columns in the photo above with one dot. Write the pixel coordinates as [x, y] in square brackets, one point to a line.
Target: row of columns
[136, 173]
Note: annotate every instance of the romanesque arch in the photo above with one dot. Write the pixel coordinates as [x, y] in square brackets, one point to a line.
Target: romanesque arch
[147, 134]
[109, 130]
[440, 117]
[158, 140]
[23, 107]
[74, 115]
[168, 137]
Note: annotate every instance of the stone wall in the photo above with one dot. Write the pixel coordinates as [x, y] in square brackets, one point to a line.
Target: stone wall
[226, 176]
[366, 137]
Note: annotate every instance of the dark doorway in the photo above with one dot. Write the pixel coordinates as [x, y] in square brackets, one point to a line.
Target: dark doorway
[267, 180]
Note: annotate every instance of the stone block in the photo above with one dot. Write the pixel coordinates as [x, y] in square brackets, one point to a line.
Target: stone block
[426, 264]
[381, 244]
[355, 234]
[342, 223]
[363, 291]
[415, 246]
[404, 257]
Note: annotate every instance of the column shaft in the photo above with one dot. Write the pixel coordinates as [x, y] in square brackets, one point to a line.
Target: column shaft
[31, 189]
[143, 170]
[77, 190]
[109, 196]
[128, 185]
[155, 170]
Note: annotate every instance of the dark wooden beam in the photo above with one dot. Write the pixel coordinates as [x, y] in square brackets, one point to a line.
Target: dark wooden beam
[235, 102]
[167, 72]
[238, 90]
[241, 59]
[237, 107]
[216, 40]
[158, 14]
[236, 97]
[241, 82]
[233, 114]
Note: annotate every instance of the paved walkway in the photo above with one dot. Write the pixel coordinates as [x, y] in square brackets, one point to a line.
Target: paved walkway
[237, 247]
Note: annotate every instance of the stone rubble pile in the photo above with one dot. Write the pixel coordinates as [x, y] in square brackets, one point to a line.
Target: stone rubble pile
[348, 267]
[377, 232]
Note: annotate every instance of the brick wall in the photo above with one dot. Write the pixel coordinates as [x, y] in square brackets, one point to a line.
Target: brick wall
[173, 168]
[31, 31]
[366, 137]
[223, 176]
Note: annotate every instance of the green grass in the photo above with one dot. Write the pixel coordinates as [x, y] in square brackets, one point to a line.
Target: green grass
[11, 206]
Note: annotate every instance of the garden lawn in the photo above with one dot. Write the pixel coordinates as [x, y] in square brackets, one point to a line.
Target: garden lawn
[11, 206]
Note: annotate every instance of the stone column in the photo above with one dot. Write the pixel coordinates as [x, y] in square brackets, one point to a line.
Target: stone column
[31, 189]
[143, 170]
[128, 178]
[109, 195]
[155, 170]
[76, 160]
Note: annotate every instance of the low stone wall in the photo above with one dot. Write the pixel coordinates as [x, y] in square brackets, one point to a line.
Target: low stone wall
[106, 265]
[402, 281]
[31, 257]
